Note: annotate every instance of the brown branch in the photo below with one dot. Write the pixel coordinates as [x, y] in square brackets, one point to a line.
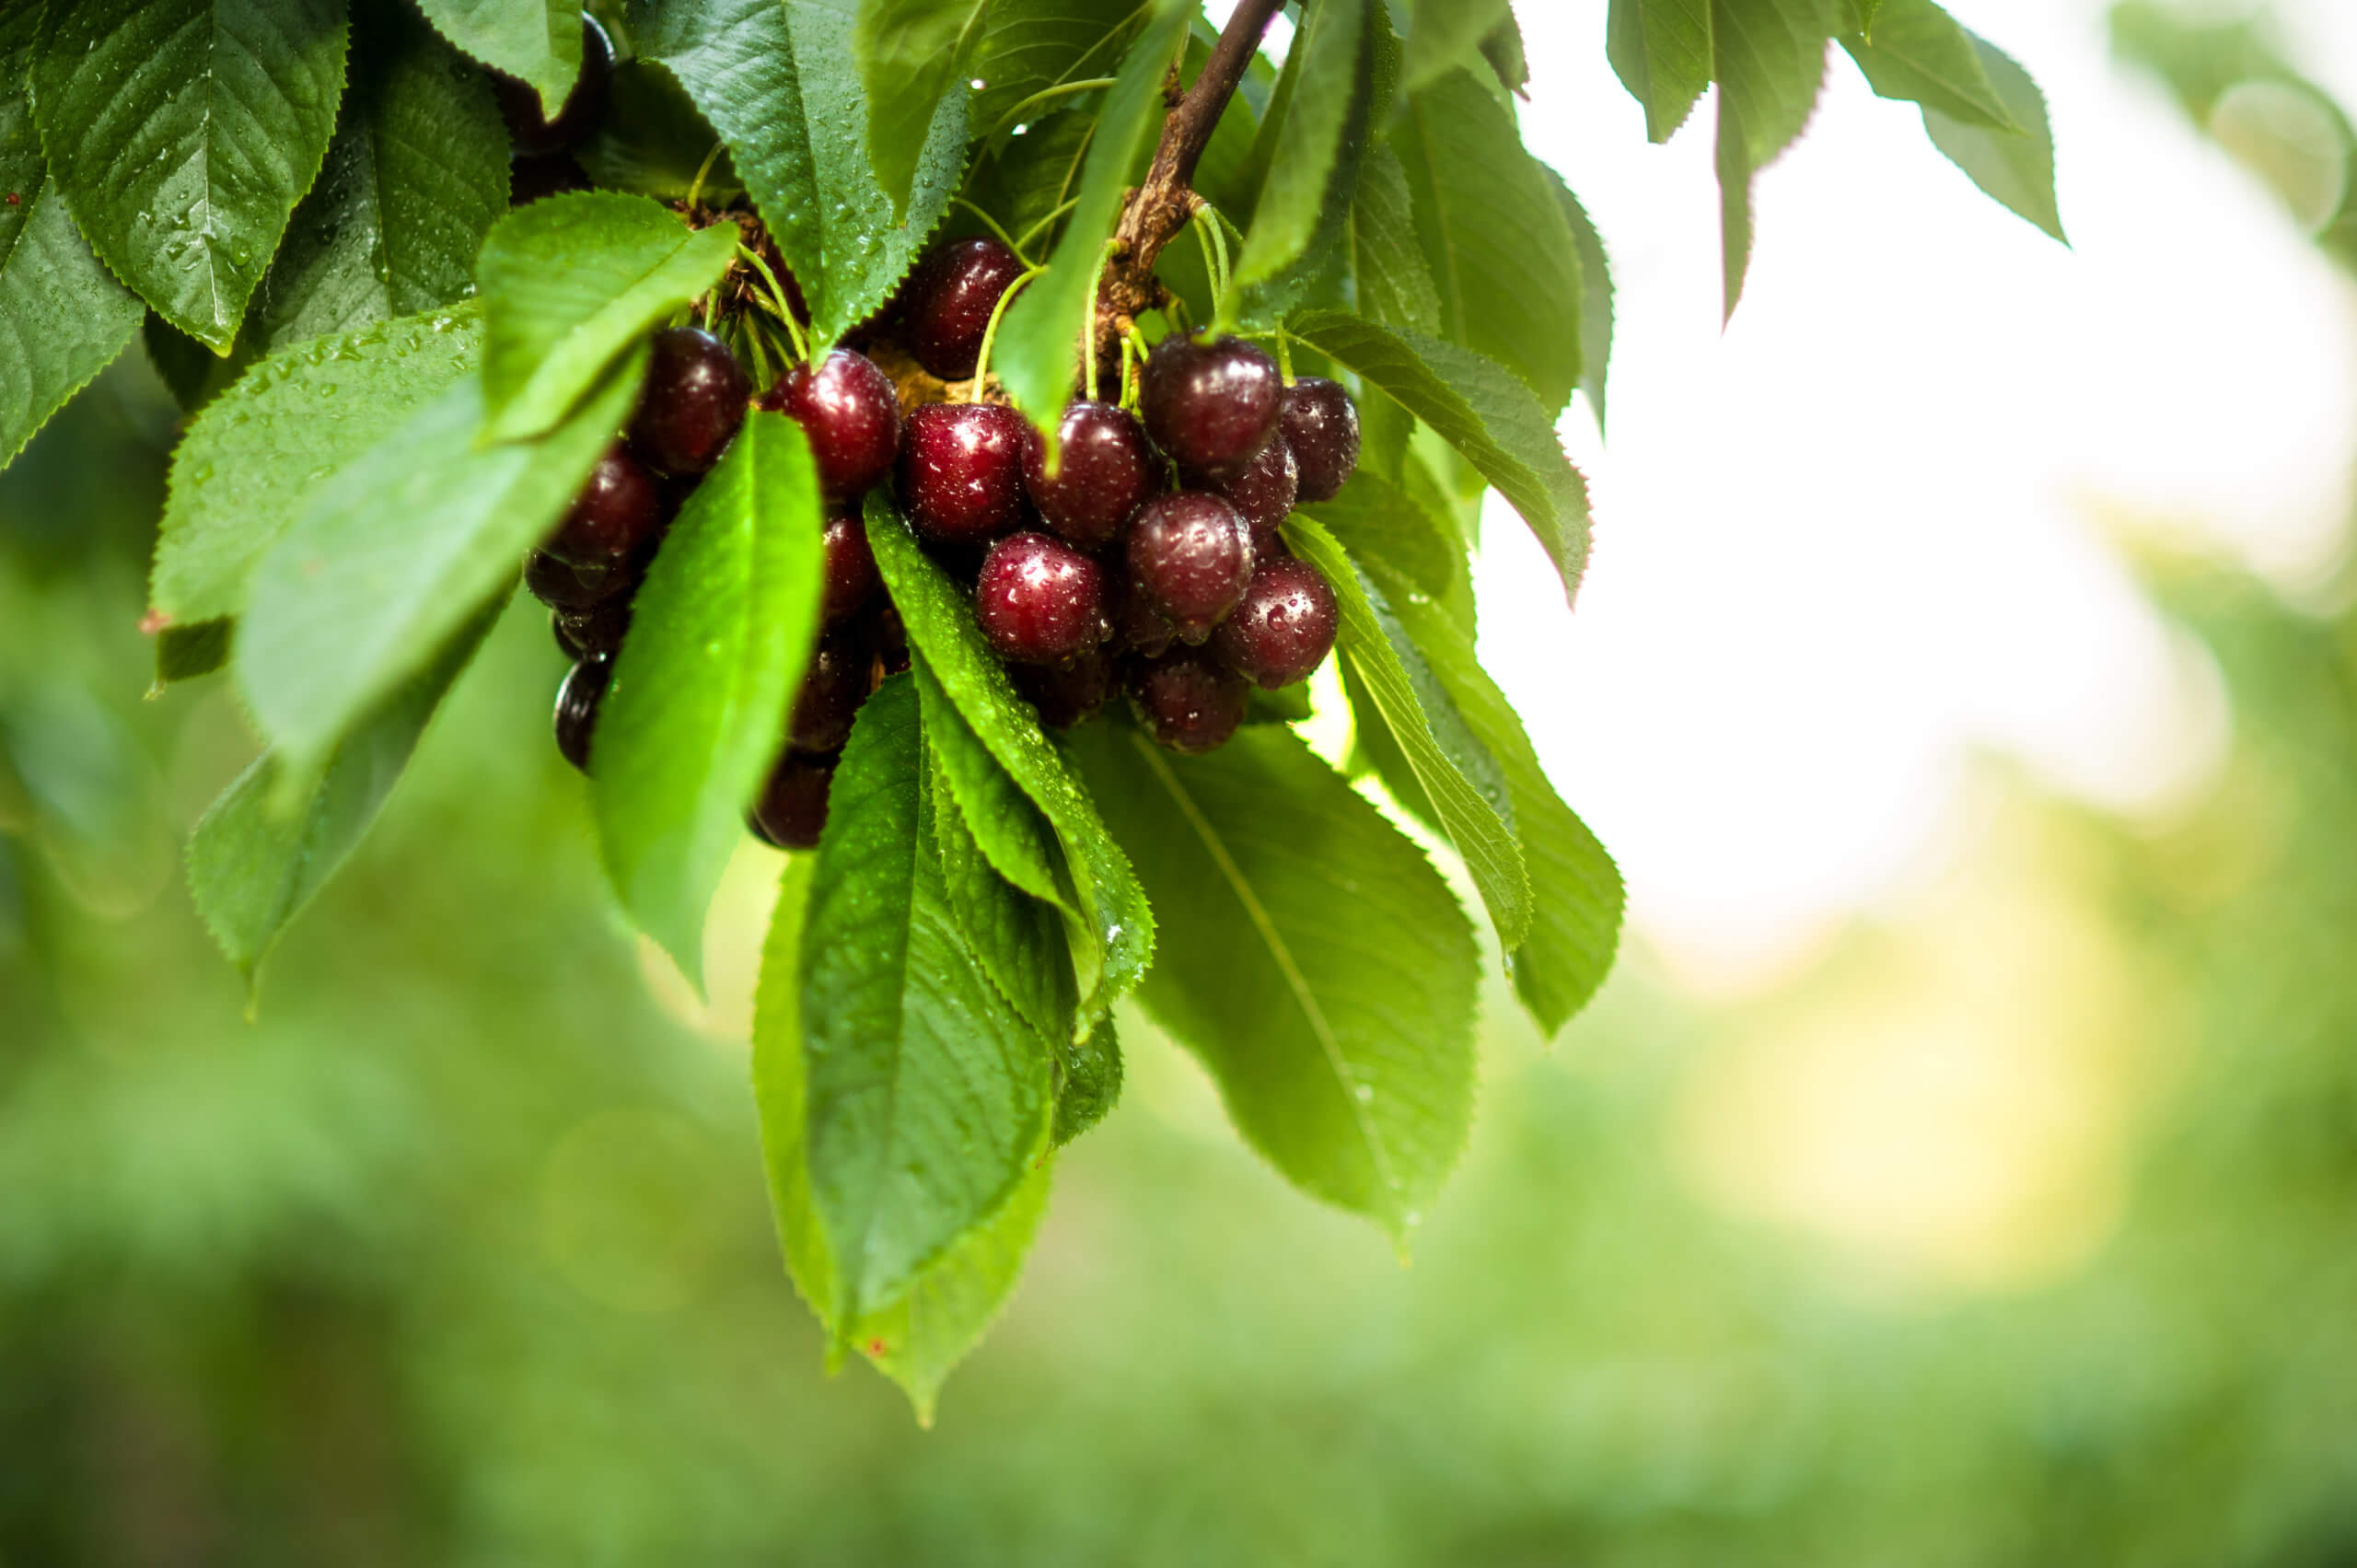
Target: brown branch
[1156, 211]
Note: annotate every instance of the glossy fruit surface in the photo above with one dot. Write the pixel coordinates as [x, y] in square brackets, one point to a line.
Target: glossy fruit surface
[947, 303]
[961, 471]
[1066, 694]
[852, 578]
[519, 105]
[1104, 471]
[849, 409]
[615, 516]
[1039, 600]
[586, 633]
[694, 403]
[1284, 628]
[1321, 425]
[791, 811]
[1189, 700]
[1190, 558]
[832, 688]
[577, 700]
[560, 585]
[1211, 406]
[1264, 491]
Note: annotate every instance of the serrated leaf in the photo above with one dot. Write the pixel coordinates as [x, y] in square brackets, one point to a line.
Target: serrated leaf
[536, 42]
[696, 712]
[1920, 54]
[192, 373]
[1483, 411]
[63, 319]
[1501, 48]
[1314, 143]
[1464, 782]
[251, 868]
[414, 180]
[911, 52]
[1444, 34]
[1311, 957]
[398, 548]
[22, 169]
[1394, 281]
[1493, 235]
[184, 652]
[1596, 300]
[654, 140]
[569, 283]
[1862, 13]
[252, 462]
[1017, 939]
[1768, 58]
[1661, 51]
[182, 134]
[917, 1339]
[1091, 1083]
[1039, 347]
[939, 616]
[2015, 171]
[1378, 520]
[1031, 46]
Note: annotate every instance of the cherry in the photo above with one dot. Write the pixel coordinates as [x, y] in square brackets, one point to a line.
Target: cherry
[577, 702]
[1321, 425]
[694, 403]
[1190, 559]
[791, 811]
[578, 115]
[852, 414]
[961, 471]
[1264, 491]
[1283, 629]
[1137, 625]
[1039, 600]
[1211, 406]
[1066, 694]
[946, 306]
[1190, 702]
[562, 585]
[891, 639]
[586, 633]
[852, 578]
[615, 516]
[1104, 471]
[832, 688]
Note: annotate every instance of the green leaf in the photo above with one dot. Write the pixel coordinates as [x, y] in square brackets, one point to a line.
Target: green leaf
[22, 169]
[1445, 34]
[1091, 1083]
[1501, 48]
[1311, 957]
[2015, 171]
[1494, 235]
[398, 548]
[1862, 13]
[1037, 350]
[1394, 282]
[251, 868]
[183, 653]
[1017, 939]
[916, 1339]
[1920, 54]
[1596, 299]
[182, 132]
[1769, 61]
[939, 616]
[1031, 46]
[654, 140]
[569, 283]
[414, 180]
[779, 81]
[1378, 520]
[252, 462]
[1314, 139]
[696, 713]
[1459, 777]
[536, 42]
[1027, 177]
[911, 52]
[191, 372]
[1484, 412]
[63, 319]
[927, 1097]
[1661, 51]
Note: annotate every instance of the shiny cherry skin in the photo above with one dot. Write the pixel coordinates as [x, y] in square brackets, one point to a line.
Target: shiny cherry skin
[1191, 701]
[832, 689]
[615, 517]
[577, 702]
[1285, 626]
[1321, 425]
[592, 632]
[945, 305]
[694, 403]
[851, 410]
[1211, 406]
[1190, 557]
[961, 473]
[791, 811]
[851, 577]
[561, 584]
[1104, 471]
[1264, 491]
[1066, 694]
[1039, 600]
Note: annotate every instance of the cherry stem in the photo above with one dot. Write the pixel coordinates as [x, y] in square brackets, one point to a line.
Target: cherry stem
[1047, 95]
[1045, 224]
[695, 187]
[1284, 354]
[1215, 243]
[777, 301]
[993, 224]
[990, 333]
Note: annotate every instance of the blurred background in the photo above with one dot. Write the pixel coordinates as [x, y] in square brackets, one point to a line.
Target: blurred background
[1960, 1169]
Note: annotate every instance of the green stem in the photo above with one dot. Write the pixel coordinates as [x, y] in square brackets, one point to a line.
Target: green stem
[994, 228]
[1036, 229]
[1048, 94]
[1284, 354]
[990, 333]
[695, 187]
[777, 301]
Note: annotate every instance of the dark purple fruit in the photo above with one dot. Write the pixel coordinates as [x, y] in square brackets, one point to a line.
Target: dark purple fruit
[1138, 627]
[891, 640]
[1283, 629]
[562, 585]
[1104, 471]
[577, 702]
[1066, 694]
[852, 578]
[578, 115]
[791, 811]
[1190, 699]
[961, 471]
[1039, 600]
[832, 688]
[616, 516]
[1190, 559]
[1211, 406]
[1264, 491]
[553, 174]
[694, 404]
[586, 633]
[852, 414]
[1321, 425]
[945, 305]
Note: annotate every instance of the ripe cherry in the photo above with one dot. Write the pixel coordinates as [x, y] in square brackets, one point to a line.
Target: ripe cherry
[1137, 625]
[577, 702]
[1104, 471]
[1211, 406]
[1264, 491]
[1321, 425]
[1190, 556]
[586, 633]
[1039, 600]
[1066, 694]
[852, 578]
[946, 306]
[1190, 699]
[1284, 628]
[578, 115]
[694, 404]
[832, 688]
[961, 471]
[616, 516]
[852, 414]
[891, 639]
[791, 811]
[562, 585]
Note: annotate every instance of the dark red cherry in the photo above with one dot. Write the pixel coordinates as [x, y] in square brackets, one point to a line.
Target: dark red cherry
[1137, 625]
[694, 402]
[1039, 600]
[577, 702]
[1283, 629]
[1190, 556]
[851, 579]
[791, 811]
[961, 471]
[852, 414]
[945, 305]
[1104, 471]
[891, 639]
[616, 516]
[1321, 425]
[1264, 491]
[562, 585]
[586, 633]
[1066, 694]
[1191, 701]
[583, 107]
[1211, 406]
[832, 688]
